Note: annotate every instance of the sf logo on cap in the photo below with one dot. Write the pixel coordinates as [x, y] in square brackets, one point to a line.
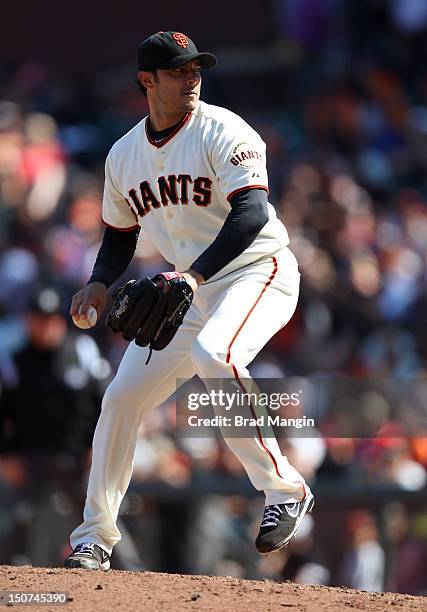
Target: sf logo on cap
[180, 39]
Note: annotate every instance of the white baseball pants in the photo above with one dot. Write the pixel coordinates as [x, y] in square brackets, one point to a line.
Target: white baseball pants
[229, 322]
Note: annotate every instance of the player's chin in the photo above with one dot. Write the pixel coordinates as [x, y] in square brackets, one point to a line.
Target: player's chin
[190, 102]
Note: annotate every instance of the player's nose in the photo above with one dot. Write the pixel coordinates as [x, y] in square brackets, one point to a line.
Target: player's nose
[193, 78]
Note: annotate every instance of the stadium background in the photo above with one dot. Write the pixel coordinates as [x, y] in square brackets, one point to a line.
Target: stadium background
[338, 90]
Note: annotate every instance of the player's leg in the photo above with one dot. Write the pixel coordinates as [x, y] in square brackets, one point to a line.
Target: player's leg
[255, 306]
[136, 388]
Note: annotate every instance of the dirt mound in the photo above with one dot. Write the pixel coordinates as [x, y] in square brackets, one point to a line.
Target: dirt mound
[148, 591]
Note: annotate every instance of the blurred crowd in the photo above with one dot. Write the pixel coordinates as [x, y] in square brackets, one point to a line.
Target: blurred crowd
[347, 160]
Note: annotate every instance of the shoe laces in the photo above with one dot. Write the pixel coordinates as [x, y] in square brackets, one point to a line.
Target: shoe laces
[86, 547]
[271, 516]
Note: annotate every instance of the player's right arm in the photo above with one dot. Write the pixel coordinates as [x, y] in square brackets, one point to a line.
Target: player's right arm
[116, 251]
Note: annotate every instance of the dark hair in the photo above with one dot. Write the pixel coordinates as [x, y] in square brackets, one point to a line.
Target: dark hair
[141, 86]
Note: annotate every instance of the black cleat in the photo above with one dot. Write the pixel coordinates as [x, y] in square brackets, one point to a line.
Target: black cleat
[89, 556]
[280, 523]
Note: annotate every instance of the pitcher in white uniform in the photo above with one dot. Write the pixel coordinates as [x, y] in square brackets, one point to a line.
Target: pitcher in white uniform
[193, 177]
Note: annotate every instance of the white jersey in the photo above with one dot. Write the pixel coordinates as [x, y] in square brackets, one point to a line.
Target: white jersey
[179, 189]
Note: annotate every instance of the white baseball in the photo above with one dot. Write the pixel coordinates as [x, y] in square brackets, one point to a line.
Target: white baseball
[89, 321]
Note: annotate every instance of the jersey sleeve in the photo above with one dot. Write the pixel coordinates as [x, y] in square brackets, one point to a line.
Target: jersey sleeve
[116, 211]
[238, 158]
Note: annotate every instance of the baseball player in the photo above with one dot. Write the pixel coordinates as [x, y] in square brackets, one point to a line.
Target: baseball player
[193, 177]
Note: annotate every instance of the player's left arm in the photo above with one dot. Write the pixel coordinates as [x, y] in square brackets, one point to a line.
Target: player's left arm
[248, 215]
[237, 156]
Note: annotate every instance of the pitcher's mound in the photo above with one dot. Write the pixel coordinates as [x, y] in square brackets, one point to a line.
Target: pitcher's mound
[149, 591]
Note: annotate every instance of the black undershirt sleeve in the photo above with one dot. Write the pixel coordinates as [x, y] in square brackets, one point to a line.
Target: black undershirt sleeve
[248, 215]
[114, 256]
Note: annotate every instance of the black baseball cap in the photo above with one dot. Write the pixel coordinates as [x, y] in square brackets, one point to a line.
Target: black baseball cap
[166, 50]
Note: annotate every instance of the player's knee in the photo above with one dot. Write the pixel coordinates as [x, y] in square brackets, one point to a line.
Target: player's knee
[118, 397]
[203, 354]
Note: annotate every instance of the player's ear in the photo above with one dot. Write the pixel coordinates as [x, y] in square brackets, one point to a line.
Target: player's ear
[146, 79]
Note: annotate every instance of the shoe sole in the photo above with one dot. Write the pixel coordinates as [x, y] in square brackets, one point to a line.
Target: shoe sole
[86, 564]
[308, 507]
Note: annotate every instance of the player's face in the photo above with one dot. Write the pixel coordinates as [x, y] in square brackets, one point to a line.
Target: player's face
[176, 90]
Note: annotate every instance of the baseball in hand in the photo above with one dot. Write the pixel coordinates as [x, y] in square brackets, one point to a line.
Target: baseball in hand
[89, 321]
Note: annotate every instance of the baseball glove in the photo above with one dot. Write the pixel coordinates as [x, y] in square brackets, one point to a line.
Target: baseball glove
[151, 313]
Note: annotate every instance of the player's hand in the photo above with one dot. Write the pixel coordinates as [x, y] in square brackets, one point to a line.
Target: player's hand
[94, 294]
[193, 278]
